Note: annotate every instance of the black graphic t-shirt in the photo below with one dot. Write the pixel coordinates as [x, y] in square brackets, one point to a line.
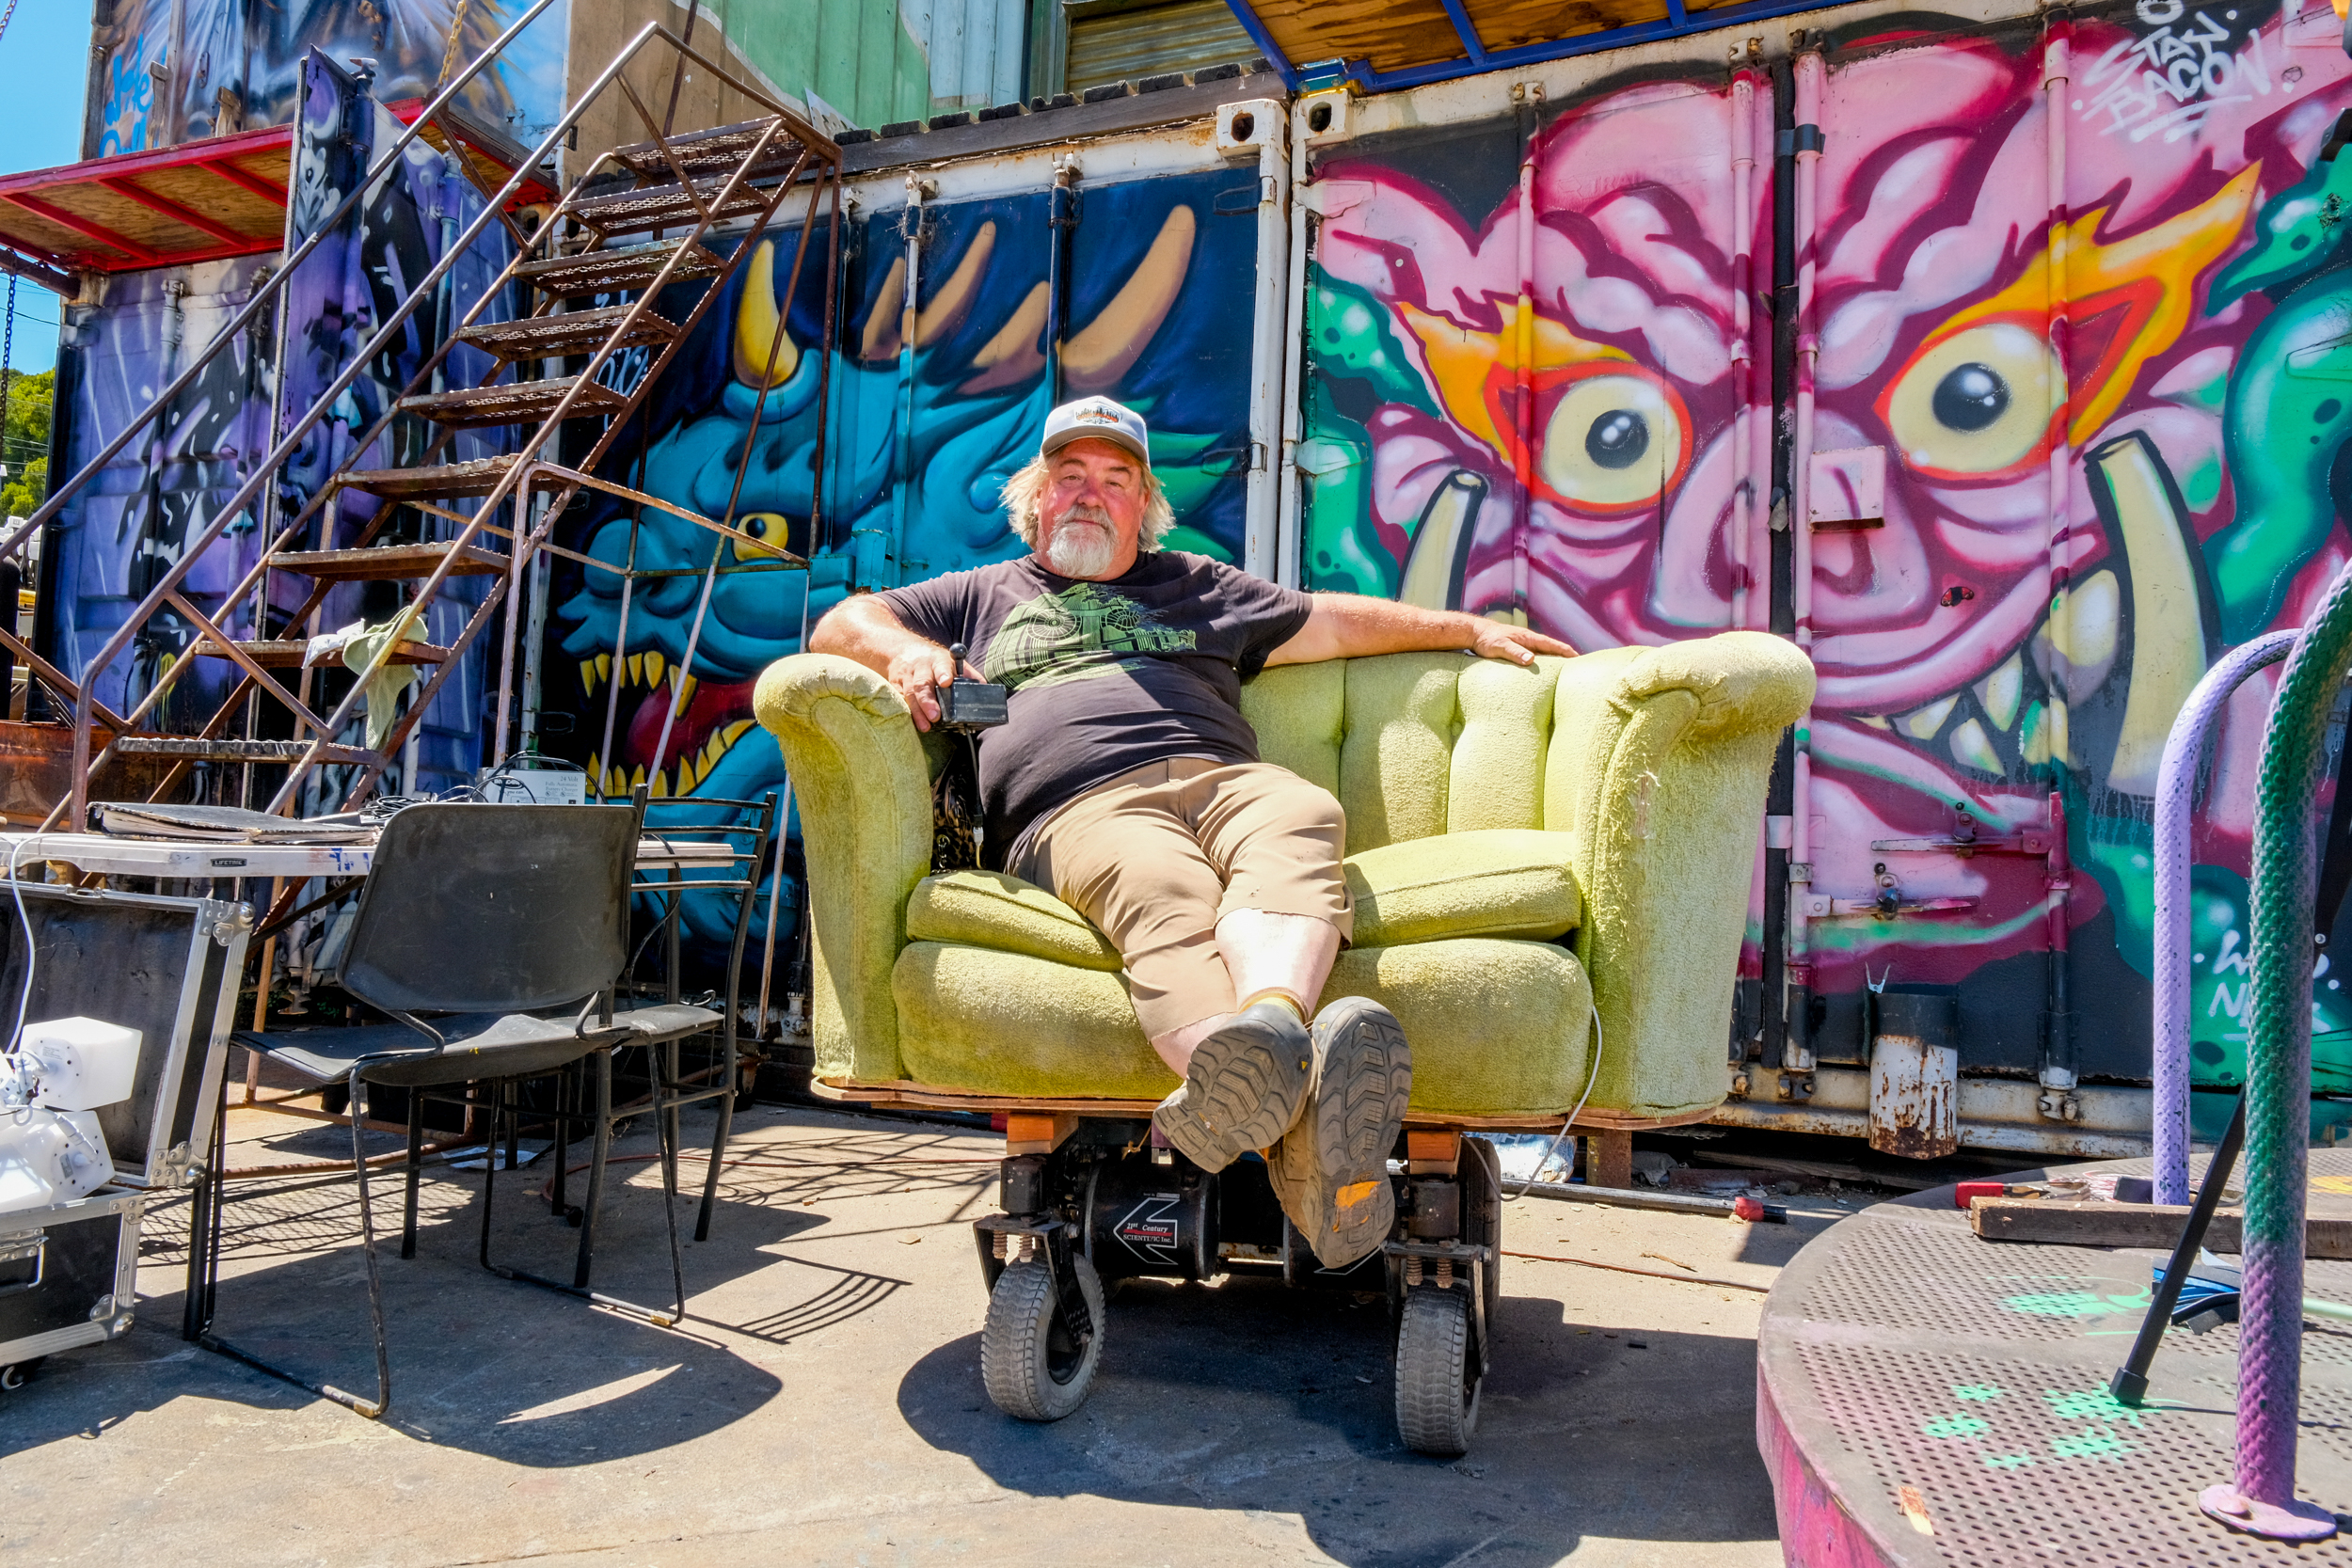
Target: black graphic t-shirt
[1102, 677]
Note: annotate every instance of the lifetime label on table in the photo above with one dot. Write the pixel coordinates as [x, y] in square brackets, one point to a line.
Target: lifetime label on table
[1153, 1228]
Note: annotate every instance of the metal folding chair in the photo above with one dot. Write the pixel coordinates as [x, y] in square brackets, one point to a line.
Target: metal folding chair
[491, 935]
[718, 848]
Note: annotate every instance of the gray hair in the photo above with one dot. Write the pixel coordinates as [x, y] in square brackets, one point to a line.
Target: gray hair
[1024, 494]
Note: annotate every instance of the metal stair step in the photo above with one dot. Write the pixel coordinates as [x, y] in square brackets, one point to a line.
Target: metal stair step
[196, 748]
[445, 481]
[704, 150]
[514, 402]
[618, 270]
[576, 332]
[287, 655]
[662, 206]
[390, 562]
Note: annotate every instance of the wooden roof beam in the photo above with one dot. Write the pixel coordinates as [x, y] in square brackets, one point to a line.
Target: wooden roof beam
[198, 221]
[81, 226]
[244, 179]
[52, 278]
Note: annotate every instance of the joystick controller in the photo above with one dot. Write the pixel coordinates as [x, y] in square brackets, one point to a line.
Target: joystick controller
[969, 705]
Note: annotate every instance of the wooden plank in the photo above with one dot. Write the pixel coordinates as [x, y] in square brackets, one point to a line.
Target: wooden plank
[1390, 34]
[1436, 1151]
[1393, 37]
[246, 178]
[207, 189]
[1038, 1133]
[106, 212]
[179, 212]
[50, 214]
[2087, 1222]
[852, 1091]
[288, 655]
[1513, 24]
[1609, 1159]
[388, 563]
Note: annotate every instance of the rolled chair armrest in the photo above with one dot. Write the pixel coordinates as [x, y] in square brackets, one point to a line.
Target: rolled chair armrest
[864, 794]
[1674, 760]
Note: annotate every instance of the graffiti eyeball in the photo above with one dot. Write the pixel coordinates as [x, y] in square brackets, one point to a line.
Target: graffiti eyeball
[1614, 441]
[773, 529]
[1975, 405]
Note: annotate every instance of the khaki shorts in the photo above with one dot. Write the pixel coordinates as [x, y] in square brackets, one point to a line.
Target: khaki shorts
[1156, 857]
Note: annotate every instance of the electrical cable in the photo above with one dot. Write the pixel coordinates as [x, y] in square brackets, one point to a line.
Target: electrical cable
[16, 889]
[1600, 1042]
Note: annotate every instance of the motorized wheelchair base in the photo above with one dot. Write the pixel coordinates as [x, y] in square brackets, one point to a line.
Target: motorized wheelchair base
[1102, 1203]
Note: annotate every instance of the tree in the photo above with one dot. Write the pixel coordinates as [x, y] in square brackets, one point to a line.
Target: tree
[24, 442]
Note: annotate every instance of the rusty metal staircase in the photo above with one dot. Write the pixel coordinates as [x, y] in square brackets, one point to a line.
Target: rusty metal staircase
[661, 198]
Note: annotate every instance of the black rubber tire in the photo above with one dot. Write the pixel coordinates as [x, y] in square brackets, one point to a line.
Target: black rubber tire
[1436, 1374]
[1481, 1210]
[1027, 1363]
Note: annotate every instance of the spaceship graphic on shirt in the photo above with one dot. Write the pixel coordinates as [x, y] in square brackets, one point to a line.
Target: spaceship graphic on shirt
[1083, 631]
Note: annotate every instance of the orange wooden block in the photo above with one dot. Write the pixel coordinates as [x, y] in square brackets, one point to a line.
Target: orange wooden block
[1436, 1151]
[1038, 1132]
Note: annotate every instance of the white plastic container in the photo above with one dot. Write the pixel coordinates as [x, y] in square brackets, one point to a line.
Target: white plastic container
[82, 1062]
[50, 1157]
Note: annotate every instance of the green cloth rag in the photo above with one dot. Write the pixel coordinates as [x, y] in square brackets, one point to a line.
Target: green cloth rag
[385, 687]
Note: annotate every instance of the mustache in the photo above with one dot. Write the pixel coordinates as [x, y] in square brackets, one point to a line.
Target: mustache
[1085, 511]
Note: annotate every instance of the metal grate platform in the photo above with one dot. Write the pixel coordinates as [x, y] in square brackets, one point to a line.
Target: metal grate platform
[1933, 1401]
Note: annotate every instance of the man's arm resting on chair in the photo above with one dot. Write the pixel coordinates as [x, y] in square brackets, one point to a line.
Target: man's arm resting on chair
[864, 628]
[1349, 626]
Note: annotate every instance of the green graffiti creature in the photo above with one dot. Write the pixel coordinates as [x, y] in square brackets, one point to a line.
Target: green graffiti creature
[2290, 400]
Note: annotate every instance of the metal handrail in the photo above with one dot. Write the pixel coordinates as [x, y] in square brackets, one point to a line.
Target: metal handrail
[277, 280]
[813, 144]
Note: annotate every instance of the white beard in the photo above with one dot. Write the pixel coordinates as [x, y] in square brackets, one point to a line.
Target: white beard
[1081, 554]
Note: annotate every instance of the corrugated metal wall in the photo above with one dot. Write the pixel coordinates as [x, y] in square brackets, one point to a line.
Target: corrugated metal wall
[875, 62]
[1114, 43]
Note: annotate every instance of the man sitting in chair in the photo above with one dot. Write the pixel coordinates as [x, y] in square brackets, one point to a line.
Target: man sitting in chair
[1127, 780]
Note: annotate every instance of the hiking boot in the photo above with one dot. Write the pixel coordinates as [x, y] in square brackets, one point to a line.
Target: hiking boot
[1243, 1088]
[1331, 1170]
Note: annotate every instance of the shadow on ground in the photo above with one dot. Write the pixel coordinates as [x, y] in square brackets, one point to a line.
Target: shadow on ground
[1249, 1396]
[501, 1367]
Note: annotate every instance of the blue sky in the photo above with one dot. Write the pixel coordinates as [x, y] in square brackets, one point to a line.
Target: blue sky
[44, 58]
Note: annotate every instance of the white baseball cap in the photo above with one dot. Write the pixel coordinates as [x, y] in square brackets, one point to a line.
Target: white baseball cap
[1096, 418]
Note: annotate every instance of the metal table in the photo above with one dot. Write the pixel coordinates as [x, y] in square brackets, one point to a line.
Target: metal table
[207, 859]
[1930, 1400]
[103, 854]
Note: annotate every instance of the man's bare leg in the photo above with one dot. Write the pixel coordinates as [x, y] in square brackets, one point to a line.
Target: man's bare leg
[1290, 953]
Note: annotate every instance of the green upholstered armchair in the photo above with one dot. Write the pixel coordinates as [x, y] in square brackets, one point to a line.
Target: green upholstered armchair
[1528, 847]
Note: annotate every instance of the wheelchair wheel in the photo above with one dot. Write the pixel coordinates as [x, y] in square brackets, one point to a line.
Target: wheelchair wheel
[1029, 1363]
[1481, 1212]
[1437, 1373]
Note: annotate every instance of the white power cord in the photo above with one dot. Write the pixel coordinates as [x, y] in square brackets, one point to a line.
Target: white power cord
[16, 888]
[1600, 1042]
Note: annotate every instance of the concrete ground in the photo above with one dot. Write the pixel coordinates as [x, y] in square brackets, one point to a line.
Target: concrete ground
[823, 1404]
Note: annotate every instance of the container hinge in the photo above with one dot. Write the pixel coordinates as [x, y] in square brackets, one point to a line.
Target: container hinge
[225, 922]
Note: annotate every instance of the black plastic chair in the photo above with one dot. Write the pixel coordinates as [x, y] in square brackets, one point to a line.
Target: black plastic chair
[493, 936]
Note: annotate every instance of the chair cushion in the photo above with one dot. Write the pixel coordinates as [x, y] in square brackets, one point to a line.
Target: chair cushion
[985, 908]
[657, 1021]
[480, 1046]
[1491, 882]
[1498, 1028]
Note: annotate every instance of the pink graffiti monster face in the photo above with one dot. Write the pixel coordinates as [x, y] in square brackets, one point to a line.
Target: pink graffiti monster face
[1583, 370]
[1934, 284]
[1603, 408]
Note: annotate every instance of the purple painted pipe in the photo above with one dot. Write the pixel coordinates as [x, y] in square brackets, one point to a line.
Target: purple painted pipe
[2176, 786]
